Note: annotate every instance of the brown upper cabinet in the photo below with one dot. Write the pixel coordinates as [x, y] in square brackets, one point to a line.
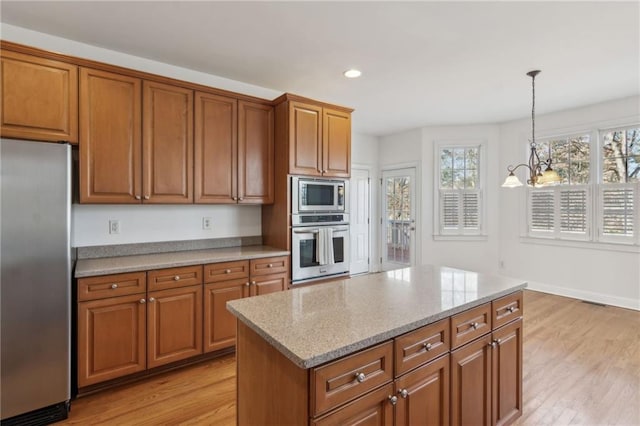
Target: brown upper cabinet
[127, 157]
[318, 138]
[110, 138]
[234, 149]
[39, 98]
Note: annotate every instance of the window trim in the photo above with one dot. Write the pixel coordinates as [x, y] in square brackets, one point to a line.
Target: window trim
[441, 234]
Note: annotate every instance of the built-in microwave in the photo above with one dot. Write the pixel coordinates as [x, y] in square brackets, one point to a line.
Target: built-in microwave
[318, 195]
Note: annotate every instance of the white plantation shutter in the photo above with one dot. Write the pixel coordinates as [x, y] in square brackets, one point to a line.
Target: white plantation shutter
[471, 210]
[617, 211]
[541, 210]
[450, 209]
[574, 211]
[460, 211]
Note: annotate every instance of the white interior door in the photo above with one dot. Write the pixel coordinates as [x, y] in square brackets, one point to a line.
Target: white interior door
[398, 218]
[359, 217]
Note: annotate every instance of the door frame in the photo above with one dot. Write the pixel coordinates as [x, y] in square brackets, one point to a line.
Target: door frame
[418, 208]
[369, 171]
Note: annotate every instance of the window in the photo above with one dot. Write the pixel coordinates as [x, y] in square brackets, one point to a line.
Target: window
[459, 190]
[598, 191]
[563, 211]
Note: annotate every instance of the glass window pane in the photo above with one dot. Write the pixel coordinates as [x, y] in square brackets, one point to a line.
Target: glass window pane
[579, 149]
[446, 159]
[471, 158]
[471, 179]
[633, 168]
[579, 172]
[458, 179]
[633, 142]
[542, 149]
[458, 158]
[613, 170]
[559, 153]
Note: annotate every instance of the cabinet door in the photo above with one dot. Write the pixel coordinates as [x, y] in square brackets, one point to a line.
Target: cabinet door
[336, 143]
[174, 319]
[39, 98]
[507, 373]
[216, 149]
[167, 154]
[111, 335]
[305, 139]
[471, 383]
[255, 153]
[423, 395]
[268, 284]
[110, 138]
[373, 408]
[219, 323]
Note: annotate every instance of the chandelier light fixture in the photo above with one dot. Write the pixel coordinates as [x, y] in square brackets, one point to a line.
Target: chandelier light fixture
[537, 177]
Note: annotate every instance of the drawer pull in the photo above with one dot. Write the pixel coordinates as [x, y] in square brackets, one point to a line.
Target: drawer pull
[403, 393]
[270, 265]
[428, 346]
[176, 278]
[475, 325]
[511, 309]
[142, 301]
[114, 286]
[393, 399]
[227, 271]
[253, 282]
[360, 377]
[151, 300]
[248, 284]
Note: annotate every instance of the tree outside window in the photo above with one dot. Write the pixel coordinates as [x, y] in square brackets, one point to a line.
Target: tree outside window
[621, 156]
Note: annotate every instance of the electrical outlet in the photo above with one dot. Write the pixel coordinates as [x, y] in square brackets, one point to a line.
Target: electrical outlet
[114, 226]
[206, 223]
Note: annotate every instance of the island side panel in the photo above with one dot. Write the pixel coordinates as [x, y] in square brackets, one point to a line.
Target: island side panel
[271, 389]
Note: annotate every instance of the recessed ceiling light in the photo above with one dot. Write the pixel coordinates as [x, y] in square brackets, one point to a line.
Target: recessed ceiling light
[352, 73]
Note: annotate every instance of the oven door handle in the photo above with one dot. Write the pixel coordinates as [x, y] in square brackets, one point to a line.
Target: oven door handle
[306, 231]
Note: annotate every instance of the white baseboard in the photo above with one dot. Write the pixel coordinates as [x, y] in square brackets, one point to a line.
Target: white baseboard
[606, 299]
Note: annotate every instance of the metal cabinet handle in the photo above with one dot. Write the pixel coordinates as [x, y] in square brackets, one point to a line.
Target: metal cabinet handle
[138, 197]
[360, 377]
[253, 282]
[270, 265]
[151, 300]
[227, 271]
[403, 393]
[393, 399]
[142, 301]
[146, 197]
[248, 284]
[427, 346]
[176, 278]
[240, 198]
[114, 286]
[511, 309]
[234, 198]
[475, 325]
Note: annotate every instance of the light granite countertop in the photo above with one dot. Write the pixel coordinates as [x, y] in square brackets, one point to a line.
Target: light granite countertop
[316, 324]
[145, 262]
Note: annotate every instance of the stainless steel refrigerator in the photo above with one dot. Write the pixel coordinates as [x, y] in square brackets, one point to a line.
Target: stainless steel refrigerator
[35, 281]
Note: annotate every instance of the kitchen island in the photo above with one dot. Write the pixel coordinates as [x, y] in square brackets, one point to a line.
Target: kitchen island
[423, 345]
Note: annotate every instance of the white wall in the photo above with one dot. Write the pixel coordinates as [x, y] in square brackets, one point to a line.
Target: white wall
[149, 223]
[418, 146]
[596, 274]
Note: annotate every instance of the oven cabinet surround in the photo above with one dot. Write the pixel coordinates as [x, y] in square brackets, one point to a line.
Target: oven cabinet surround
[397, 348]
[311, 139]
[39, 98]
[130, 323]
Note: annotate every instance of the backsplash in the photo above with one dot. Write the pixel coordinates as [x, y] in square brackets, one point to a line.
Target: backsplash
[94, 252]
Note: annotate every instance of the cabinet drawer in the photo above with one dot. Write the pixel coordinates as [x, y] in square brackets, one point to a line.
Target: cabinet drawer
[421, 346]
[506, 309]
[93, 288]
[161, 279]
[270, 265]
[470, 324]
[348, 378]
[215, 272]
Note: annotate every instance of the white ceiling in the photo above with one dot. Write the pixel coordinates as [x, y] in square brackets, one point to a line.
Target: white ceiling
[423, 63]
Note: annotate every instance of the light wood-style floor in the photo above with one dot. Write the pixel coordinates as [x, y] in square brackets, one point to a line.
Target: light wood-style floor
[582, 366]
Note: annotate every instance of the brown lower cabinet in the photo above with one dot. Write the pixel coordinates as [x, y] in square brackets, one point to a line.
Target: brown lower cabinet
[129, 323]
